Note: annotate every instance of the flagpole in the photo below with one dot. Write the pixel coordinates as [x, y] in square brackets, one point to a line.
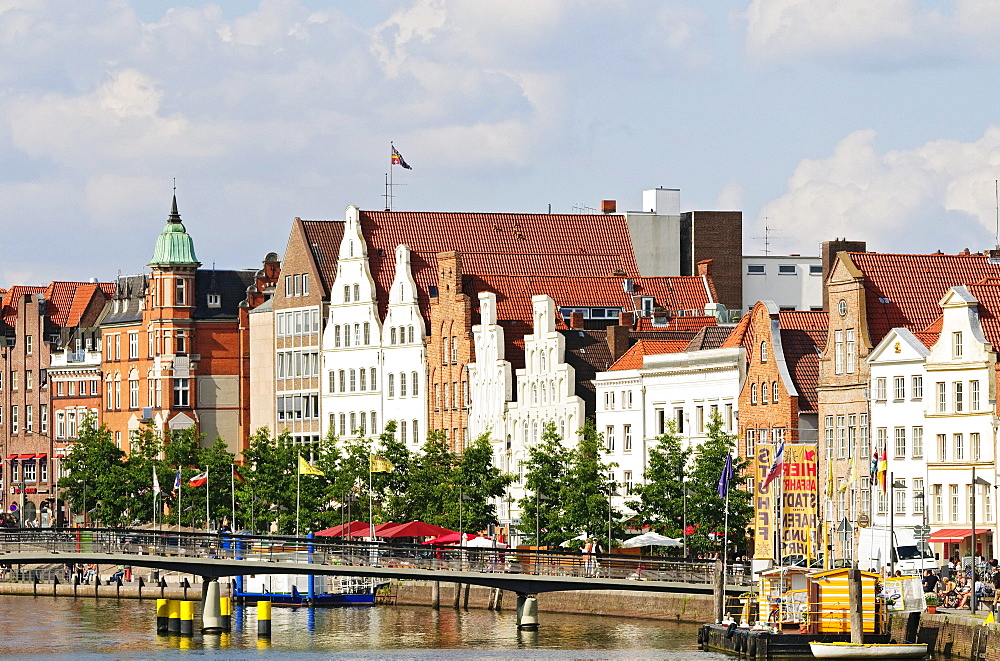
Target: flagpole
[371, 519]
[388, 202]
[298, 493]
[725, 550]
[207, 515]
[180, 511]
[232, 492]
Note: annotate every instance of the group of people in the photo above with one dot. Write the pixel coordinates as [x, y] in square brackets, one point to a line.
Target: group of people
[954, 584]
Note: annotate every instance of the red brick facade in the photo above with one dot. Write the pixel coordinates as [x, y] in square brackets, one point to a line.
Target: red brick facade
[449, 351]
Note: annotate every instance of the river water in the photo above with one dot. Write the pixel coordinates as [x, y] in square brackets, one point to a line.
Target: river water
[47, 627]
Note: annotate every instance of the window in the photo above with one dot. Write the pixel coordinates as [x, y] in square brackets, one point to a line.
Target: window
[899, 387]
[959, 390]
[763, 352]
[357, 292]
[402, 384]
[755, 269]
[413, 385]
[828, 438]
[392, 335]
[13, 380]
[815, 269]
[899, 498]
[917, 442]
[43, 418]
[959, 447]
[786, 269]
[29, 418]
[180, 295]
[954, 503]
[29, 471]
[764, 393]
[13, 420]
[133, 346]
[838, 352]
[974, 395]
[609, 439]
[900, 444]
[841, 438]
[357, 335]
[362, 379]
[753, 393]
[850, 350]
[336, 335]
[956, 344]
[342, 377]
[942, 397]
[880, 389]
[917, 387]
[942, 443]
[214, 300]
[975, 447]
[180, 342]
[679, 419]
[416, 433]
[938, 503]
[774, 392]
[373, 379]
[305, 284]
[289, 291]
[627, 438]
[133, 393]
[392, 385]
[881, 438]
[367, 335]
[347, 293]
[353, 381]
[343, 424]
[29, 345]
[29, 379]
[182, 393]
[918, 495]
[699, 419]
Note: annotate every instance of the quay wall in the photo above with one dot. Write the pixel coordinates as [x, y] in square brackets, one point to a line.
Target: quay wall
[619, 603]
[950, 635]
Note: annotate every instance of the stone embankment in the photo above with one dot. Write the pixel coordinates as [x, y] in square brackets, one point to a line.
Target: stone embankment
[950, 635]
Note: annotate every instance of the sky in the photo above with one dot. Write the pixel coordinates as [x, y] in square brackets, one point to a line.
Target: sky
[877, 121]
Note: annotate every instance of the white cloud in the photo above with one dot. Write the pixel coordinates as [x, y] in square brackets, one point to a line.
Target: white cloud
[873, 33]
[896, 200]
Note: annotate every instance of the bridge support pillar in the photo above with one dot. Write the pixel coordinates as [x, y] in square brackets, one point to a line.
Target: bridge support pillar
[211, 613]
[436, 595]
[527, 612]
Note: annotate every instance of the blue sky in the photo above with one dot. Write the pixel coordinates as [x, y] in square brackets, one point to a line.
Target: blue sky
[818, 118]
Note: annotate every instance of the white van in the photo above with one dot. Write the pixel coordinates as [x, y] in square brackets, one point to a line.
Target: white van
[911, 556]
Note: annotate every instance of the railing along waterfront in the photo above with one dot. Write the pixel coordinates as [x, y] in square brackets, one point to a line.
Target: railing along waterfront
[282, 549]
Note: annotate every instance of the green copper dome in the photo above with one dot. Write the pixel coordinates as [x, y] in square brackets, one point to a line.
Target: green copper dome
[174, 246]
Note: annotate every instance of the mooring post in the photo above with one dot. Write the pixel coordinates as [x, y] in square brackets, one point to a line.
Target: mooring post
[457, 597]
[436, 595]
[720, 595]
[211, 612]
[857, 605]
[465, 599]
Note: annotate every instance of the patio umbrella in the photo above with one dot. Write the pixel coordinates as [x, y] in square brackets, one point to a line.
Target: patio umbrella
[382, 526]
[450, 538]
[352, 529]
[414, 529]
[484, 543]
[651, 539]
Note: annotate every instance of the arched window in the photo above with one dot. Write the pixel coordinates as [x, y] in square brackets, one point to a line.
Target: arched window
[552, 391]
[534, 431]
[454, 350]
[545, 394]
[416, 433]
[367, 333]
[763, 352]
[391, 385]
[374, 425]
[774, 392]
[753, 393]
[336, 335]
[357, 292]
[402, 384]
[392, 335]
[763, 393]
[543, 361]
[534, 395]
[413, 384]
[409, 334]
[444, 351]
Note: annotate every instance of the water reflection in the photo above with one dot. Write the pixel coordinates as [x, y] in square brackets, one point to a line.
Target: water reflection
[126, 629]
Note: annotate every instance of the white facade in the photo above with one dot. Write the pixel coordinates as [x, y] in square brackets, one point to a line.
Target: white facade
[899, 395]
[793, 282]
[960, 393]
[635, 406]
[490, 380]
[372, 371]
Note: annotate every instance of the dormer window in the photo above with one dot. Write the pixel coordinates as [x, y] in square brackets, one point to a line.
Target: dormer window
[956, 344]
[214, 300]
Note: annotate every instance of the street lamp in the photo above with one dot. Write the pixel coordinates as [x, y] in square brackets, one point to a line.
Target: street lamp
[976, 481]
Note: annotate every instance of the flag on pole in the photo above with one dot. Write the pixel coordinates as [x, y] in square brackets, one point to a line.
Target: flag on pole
[854, 475]
[156, 484]
[199, 480]
[776, 466]
[177, 481]
[305, 468]
[873, 469]
[377, 464]
[883, 469]
[239, 478]
[726, 477]
[397, 159]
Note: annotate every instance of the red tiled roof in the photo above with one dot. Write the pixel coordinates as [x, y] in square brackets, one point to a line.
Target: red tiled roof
[323, 238]
[521, 241]
[803, 336]
[988, 295]
[632, 359]
[738, 335]
[66, 302]
[926, 338]
[11, 297]
[709, 337]
[904, 290]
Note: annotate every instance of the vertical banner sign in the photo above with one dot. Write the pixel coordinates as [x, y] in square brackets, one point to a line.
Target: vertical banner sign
[764, 504]
[801, 495]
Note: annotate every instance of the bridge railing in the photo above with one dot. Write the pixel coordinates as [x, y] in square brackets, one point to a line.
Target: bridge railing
[282, 549]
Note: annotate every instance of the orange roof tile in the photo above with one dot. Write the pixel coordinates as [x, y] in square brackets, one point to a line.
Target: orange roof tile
[928, 339]
[803, 336]
[632, 359]
[904, 290]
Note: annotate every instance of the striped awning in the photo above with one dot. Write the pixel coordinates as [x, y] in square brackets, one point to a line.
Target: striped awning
[954, 534]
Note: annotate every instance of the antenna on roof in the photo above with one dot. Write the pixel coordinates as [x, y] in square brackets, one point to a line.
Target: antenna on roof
[766, 237]
[996, 196]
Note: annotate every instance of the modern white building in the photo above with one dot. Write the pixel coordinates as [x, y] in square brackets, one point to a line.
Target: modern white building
[634, 406]
[793, 282]
[372, 370]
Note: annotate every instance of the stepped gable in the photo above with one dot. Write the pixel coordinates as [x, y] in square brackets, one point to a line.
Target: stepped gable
[515, 243]
[803, 337]
[904, 290]
[323, 237]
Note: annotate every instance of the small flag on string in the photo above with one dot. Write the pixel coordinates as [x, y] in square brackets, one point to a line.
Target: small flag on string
[397, 159]
[305, 468]
[377, 464]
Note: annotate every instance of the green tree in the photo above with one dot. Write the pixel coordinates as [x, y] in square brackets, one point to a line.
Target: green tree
[393, 488]
[481, 484]
[182, 452]
[218, 461]
[587, 488]
[268, 497]
[143, 461]
[432, 482]
[706, 510]
[349, 488]
[544, 478]
[660, 503]
[96, 480]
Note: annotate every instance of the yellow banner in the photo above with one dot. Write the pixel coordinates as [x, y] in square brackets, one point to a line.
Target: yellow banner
[763, 504]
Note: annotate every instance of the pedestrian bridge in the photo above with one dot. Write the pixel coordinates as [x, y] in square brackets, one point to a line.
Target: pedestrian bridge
[214, 556]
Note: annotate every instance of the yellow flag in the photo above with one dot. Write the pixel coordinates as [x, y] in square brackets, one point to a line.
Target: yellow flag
[854, 475]
[305, 468]
[377, 464]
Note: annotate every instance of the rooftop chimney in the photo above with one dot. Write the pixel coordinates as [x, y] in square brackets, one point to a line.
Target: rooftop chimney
[608, 206]
[576, 320]
[828, 252]
[618, 340]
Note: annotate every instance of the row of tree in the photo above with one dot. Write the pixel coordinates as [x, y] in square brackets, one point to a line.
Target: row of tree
[567, 488]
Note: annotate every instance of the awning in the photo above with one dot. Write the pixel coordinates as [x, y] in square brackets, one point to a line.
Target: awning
[41, 455]
[954, 534]
[23, 457]
[11, 456]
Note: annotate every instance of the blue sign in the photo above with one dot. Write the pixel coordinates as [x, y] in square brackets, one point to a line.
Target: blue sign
[13, 507]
